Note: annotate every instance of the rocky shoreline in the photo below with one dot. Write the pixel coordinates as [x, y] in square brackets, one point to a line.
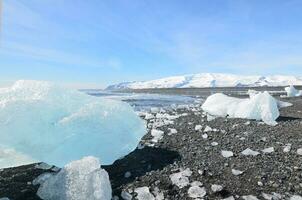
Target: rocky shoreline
[184, 156]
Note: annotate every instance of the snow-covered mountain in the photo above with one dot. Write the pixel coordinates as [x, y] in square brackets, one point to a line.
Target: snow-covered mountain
[211, 80]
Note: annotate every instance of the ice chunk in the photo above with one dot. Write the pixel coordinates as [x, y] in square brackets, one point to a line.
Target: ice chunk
[204, 136]
[227, 154]
[268, 150]
[196, 192]
[273, 196]
[54, 125]
[216, 188]
[299, 151]
[181, 178]
[198, 127]
[172, 131]
[236, 172]
[281, 104]
[81, 179]
[214, 143]
[126, 196]
[296, 197]
[208, 129]
[291, 91]
[261, 106]
[157, 135]
[143, 193]
[229, 198]
[250, 197]
[250, 152]
[287, 148]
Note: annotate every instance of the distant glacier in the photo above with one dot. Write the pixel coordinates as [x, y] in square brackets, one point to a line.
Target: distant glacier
[205, 80]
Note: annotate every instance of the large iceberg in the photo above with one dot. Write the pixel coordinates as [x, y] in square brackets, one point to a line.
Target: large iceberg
[260, 106]
[81, 179]
[291, 91]
[45, 122]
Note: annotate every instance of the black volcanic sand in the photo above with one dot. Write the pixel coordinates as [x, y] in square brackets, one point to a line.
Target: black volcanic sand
[152, 166]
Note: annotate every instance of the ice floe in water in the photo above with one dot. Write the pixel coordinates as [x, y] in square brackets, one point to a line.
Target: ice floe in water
[260, 106]
[55, 125]
[81, 179]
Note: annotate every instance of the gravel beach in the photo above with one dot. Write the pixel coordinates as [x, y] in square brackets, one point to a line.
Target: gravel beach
[185, 156]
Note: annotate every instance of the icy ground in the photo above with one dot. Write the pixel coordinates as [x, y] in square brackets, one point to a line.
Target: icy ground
[40, 121]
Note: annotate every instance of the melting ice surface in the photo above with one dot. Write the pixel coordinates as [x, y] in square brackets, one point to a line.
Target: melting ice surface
[44, 122]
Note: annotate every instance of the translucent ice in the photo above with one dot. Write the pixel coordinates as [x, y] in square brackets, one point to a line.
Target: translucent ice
[81, 179]
[261, 106]
[48, 123]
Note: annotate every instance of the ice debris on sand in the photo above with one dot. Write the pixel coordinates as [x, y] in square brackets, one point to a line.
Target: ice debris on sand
[181, 178]
[81, 179]
[157, 135]
[227, 154]
[196, 192]
[143, 193]
[236, 172]
[48, 123]
[261, 106]
[250, 152]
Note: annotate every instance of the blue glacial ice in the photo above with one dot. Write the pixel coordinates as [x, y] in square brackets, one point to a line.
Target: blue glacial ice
[45, 122]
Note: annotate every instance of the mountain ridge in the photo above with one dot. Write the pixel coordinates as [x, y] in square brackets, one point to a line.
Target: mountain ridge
[204, 80]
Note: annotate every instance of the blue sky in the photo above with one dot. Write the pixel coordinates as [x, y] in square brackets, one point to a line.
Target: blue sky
[93, 43]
